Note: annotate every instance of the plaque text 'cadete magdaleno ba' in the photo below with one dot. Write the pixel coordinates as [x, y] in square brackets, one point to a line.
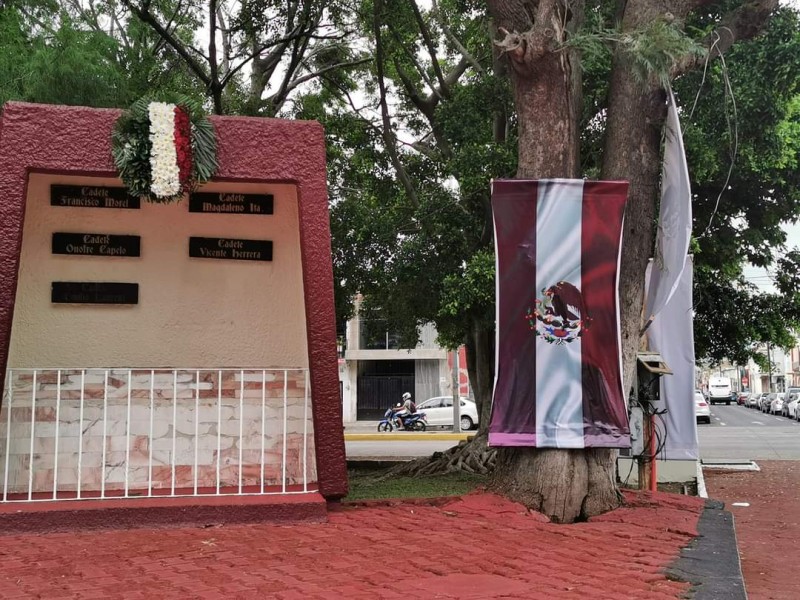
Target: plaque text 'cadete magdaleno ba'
[96, 244]
[230, 249]
[228, 203]
[94, 292]
[87, 196]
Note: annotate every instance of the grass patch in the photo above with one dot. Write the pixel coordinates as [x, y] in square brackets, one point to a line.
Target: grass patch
[367, 485]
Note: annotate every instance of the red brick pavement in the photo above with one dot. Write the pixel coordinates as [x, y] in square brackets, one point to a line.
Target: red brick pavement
[480, 546]
[769, 529]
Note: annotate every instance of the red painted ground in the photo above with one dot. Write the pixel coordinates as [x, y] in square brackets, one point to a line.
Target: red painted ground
[769, 529]
[479, 547]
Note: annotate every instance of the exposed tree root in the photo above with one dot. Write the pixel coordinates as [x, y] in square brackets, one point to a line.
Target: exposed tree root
[469, 456]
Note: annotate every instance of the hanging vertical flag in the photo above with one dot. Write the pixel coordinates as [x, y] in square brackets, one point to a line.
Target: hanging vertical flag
[674, 220]
[669, 296]
[672, 336]
[558, 375]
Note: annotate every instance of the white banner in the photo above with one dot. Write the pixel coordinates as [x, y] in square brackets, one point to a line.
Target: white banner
[672, 335]
[674, 220]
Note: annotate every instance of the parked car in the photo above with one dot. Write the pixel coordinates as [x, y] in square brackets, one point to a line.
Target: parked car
[791, 394]
[776, 405]
[766, 400]
[790, 405]
[752, 400]
[439, 412]
[741, 398]
[702, 411]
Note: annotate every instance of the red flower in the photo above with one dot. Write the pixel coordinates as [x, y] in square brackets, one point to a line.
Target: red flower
[183, 147]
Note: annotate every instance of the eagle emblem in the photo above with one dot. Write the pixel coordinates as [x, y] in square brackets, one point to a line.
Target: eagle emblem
[559, 317]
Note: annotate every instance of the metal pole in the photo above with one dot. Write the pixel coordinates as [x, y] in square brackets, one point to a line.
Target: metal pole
[456, 395]
[769, 364]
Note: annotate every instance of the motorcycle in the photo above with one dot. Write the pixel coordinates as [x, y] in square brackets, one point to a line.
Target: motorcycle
[412, 422]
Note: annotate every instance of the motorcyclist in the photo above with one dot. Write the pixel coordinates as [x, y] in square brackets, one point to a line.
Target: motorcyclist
[405, 409]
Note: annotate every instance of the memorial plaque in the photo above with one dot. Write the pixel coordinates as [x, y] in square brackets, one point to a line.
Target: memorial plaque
[231, 204]
[87, 196]
[94, 292]
[230, 249]
[96, 244]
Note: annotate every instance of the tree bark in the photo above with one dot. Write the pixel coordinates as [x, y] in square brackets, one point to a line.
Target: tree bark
[480, 358]
[636, 115]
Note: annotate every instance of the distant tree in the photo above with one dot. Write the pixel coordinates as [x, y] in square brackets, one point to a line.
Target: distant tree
[51, 52]
[746, 124]
[251, 56]
[411, 213]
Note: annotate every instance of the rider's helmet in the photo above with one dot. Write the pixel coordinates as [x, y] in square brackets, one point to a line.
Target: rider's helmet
[406, 396]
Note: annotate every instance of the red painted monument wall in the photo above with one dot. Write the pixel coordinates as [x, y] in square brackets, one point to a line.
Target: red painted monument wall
[77, 141]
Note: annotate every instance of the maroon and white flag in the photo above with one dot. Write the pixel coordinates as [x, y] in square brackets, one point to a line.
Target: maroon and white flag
[558, 371]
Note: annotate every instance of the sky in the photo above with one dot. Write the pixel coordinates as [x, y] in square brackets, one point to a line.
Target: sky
[761, 277]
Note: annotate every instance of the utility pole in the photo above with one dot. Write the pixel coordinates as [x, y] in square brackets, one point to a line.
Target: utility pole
[456, 395]
[769, 365]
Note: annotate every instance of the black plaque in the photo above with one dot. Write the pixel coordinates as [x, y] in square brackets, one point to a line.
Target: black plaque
[230, 249]
[231, 203]
[88, 196]
[94, 292]
[96, 244]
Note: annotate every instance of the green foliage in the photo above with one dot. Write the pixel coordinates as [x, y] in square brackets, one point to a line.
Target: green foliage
[50, 55]
[414, 259]
[763, 192]
[655, 49]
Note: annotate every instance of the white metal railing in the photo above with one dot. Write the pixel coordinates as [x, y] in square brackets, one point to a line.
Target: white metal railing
[97, 433]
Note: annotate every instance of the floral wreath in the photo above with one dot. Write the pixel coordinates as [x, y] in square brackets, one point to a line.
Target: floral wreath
[164, 151]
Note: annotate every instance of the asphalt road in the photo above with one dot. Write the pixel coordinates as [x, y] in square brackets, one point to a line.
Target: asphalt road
[391, 450]
[737, 432]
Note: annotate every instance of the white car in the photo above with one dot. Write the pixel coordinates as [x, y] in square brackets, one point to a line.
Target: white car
[439, 412]
[701, 408]
[776, 406]
[790, 407]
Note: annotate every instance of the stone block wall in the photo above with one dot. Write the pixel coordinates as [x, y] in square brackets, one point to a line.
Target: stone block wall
[215, 427]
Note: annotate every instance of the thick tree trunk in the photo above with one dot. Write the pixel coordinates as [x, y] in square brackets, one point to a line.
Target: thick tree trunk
[636, 115]
[548, 129]
[565, 485]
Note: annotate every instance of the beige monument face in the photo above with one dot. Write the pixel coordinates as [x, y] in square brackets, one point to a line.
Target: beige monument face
[225, 306]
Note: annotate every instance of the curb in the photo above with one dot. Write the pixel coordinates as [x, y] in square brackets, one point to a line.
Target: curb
[405, 436]
[701, 482]
[711, 561]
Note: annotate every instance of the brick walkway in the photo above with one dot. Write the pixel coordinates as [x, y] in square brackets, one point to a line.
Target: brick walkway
[768, 530]
[479, 547]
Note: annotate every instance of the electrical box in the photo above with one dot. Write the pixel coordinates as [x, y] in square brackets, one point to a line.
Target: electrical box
[650, 366]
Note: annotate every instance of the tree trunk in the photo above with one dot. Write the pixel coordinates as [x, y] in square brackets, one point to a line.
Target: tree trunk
[480, 359]
[565, 485]
[636, 115]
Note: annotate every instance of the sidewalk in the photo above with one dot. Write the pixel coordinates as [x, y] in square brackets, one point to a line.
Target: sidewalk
[767, 528]
[481, 546]
[367, 431]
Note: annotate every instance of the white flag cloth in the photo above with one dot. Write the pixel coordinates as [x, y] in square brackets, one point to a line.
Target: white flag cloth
[675, 218]
[672, 336]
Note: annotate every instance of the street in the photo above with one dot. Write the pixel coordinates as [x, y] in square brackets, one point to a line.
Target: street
[394, 449]
[737, 432]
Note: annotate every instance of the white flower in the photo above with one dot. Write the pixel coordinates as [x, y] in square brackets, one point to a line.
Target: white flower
[164, 172]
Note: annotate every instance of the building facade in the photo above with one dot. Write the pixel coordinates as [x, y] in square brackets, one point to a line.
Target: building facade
[375, 371]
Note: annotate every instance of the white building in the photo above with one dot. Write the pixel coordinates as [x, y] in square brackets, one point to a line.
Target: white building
[374, 371]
